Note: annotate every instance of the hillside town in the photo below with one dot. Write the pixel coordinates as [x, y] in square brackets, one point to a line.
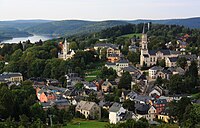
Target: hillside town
[135, 92]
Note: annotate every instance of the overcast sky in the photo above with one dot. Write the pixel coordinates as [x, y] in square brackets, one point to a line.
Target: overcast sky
[98, 9]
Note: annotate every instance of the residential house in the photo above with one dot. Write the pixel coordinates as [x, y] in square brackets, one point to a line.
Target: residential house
[142, 110]
[124, 95]
[153, 72]
[115, 113]
[164, 116]
[171, 61]
[164, 74]
[45, 95]
[98, 83]
[108, 85]
[113, 54]
[60, 104]
[72, 79]
[38, 81]
[131, 69]
[151, 113]
[104, 45]
[133, 48]
[119, 65]
[160, 105]
[176, 70]
[156, 91]
[189, 58]
[90, 85]
[131, 95]
[90, 110]
[141, 99]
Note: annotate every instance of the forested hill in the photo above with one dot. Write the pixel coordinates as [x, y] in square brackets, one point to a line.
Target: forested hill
[190, 22]
[20, 28]
[71, 27]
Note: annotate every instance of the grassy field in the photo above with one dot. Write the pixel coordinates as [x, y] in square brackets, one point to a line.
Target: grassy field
[92, 74]
[80, 123]
[131, 35]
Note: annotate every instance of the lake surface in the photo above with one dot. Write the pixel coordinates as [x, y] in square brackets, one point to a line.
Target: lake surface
[33, 39]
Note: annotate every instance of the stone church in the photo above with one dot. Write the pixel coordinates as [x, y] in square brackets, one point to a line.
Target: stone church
[150, 57]
[66, 52]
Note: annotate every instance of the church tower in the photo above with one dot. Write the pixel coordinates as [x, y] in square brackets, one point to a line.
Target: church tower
[65, 48]
[144, 47]
[144, 42]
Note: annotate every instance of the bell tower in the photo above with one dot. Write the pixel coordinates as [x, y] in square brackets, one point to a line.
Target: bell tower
[144, 47]
[65, 47]
[144, 42]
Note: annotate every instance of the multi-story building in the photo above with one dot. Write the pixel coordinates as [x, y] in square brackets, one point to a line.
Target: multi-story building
[10, 77]
[89, 109]
[151, 57]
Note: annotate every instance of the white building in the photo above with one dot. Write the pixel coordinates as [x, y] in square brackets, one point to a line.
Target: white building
[114, 113]
[66, 52]
[118, 66]
[153, 72]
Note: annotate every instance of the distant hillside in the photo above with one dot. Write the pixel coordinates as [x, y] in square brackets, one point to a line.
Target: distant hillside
[22, 24]
[9, 33]
[190, 22]
[70, 27]
[18, 28]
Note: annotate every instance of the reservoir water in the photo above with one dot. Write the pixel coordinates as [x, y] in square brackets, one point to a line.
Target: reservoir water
[33, 39]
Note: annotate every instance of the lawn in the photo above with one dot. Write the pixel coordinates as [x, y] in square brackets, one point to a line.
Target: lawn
[92, 74]
[81, 123]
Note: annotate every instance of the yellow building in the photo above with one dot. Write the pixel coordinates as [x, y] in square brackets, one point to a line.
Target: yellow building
[89, 109]
[10, 77]
[163, 117]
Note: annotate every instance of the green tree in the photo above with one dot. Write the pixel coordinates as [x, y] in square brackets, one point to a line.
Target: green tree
[125, 81]
[73, 45]
[130, 105]
[182, 62]
[16, 55]
[133, 57]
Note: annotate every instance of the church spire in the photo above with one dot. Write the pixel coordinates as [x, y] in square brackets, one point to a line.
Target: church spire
[143, 31]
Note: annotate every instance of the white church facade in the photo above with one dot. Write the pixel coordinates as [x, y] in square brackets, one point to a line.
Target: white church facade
[66, 52]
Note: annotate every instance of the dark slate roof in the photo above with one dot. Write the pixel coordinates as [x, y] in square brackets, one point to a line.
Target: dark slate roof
[142, 108]
[123, 61]
[156, 68]
[161, 101]
[108, 63]
[115, 107]
[165, 71]
[173, 59]
[6, 75]
[152, 52]
[142, 98]
[188, 57]
[130, 69]
[141, 77]
[164, 51]
[106, 45]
